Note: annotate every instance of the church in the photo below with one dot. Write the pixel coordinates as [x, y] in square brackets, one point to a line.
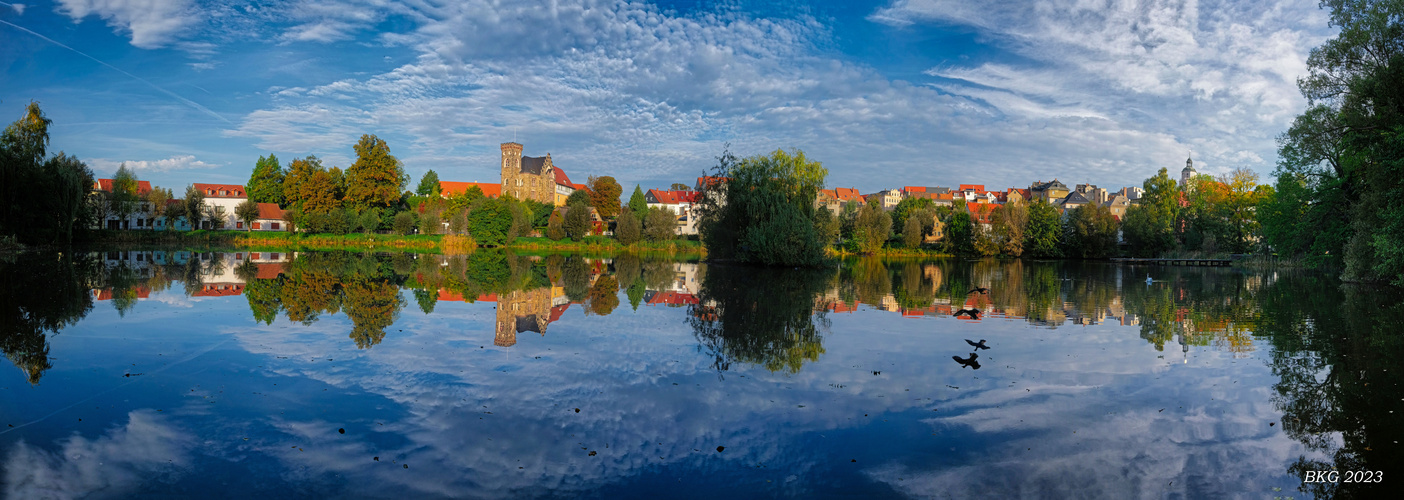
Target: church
[523, 178]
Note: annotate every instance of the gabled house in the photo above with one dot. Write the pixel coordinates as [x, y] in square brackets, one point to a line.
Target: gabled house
[1049, 191]
[680, 203]
[220, 200]
[1117, 205]
[141, 218]
[270, 218]
[1071, 201]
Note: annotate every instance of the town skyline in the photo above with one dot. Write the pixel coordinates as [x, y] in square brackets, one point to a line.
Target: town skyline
[884, 94]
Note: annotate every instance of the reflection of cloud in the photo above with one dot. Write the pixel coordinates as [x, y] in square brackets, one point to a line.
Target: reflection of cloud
[108, 465]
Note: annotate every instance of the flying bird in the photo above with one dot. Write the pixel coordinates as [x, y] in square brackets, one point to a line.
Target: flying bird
[968, 362]
[977, 345]
[974, 313]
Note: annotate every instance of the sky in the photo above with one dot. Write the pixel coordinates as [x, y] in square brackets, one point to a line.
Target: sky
[884, 93]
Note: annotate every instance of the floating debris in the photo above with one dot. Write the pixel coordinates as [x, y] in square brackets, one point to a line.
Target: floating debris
[341, 430]
[720, 448]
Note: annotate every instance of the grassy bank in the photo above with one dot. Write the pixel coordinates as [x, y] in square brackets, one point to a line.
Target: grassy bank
[606, 245]
[429, 243]
[887, 252]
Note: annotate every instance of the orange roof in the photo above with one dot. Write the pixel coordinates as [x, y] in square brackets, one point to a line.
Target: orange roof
[675, 197]
[143, 187]
[709, 181]
[580, 186]
[914, 189]
[221, 190]
[672, 298]
[971, 187]
[847, 194]
[447, 188]
[268, 271]
[270, 211]
[981, 212]
[141, 293]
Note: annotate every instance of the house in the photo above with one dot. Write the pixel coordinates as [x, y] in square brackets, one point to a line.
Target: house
[680, 203]
[270, 218]
[1117, 205]
[981, 213]
[914, 190]
[835, 199]
[1132, 193]
[220, 200]
[1093, 193]
[1071, 201]
[1049, 191]
[141, 218]
[1015, 195]
[889, 198]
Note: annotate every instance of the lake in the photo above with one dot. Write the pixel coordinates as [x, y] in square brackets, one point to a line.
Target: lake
[276, 374]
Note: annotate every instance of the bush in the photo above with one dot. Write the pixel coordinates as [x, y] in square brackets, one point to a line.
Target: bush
[369, 220]
[458, 222]
[340, 221]
[628, 228]
[404, 223]
[659, 224]
[490, 222]
[555, 229]
[577, 221]
[429, 224]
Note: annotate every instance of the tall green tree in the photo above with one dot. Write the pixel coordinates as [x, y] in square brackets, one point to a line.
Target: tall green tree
[1042, 234]
[194, 206]
[266, 182]
[429, 184]
[628, 228]
[23, 147]
[124, 200]
[637, 202]
[299, 172]
[763, 210]
[67, 182]
[377, 178]
[1150, 228]
[1089, 232]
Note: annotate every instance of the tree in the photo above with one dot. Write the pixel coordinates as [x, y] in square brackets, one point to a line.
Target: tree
[1010, 221]
[247, 212]
[555, 229]
[124, 199]
[660, 224]
[490, 222]
[763, 210]
[1090, 232]
[911, 233]
[960, 231]
[604, 196]
[158, 198]
[23, 146]
[266, 183]
[628, 228]
[404, 223]
[67, 182]
[1042, 234]
[872, 226]
[377, 177]
[577, 221]
[194, 206]
[429, 184]
[578, 197]
[637, 202]
[299, 172]
[904, 209]
[174, 212]
[317, 194]
[826, 226]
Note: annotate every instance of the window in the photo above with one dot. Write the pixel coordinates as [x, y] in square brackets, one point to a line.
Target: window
[238, 225]
[275, 228]
[273, 256]
[258, 225]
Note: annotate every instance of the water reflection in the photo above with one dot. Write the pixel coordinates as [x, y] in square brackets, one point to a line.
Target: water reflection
[1331, 352]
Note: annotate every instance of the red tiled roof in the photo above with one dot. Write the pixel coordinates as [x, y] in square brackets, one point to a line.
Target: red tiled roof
[270, 211]
[709, 181]
[914, 189]
[561, 177]
[579, 187]
[221, 190]
[672, 298]
[557, 311]
[447, 188]
[981, 212]
[675, 197]
[142, 292]
[143, 187]
[268, 271]
[971, 187]
[847, 194]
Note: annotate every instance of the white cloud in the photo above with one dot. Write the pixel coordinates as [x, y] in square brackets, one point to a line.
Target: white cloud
[151, 23]
[110, 465]
[180, 162]
[19, 7]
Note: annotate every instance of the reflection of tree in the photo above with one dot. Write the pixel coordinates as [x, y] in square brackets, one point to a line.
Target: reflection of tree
[575, 278]
[760, 316]
[426, 299]
[124, 284]
[372, 304]
[1337, 355]
[871, 279]
[40, 295]
[264, 298]
[604, 296]
[914, 290]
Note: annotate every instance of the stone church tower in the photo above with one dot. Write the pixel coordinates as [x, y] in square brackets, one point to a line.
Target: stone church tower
[525, 177]
[1187, 175]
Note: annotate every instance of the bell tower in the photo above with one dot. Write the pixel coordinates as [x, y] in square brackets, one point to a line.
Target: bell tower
[511, 161]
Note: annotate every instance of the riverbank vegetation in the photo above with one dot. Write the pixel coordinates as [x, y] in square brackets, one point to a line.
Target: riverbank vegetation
[761, 210]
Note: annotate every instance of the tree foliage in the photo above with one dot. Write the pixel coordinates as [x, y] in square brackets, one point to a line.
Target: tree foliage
[628, 229]
[377, 177]
[763, 212]
[1042, 234]
[266, 182]
[637, 202]
[429, 184]
[247, 212]
[555, 227]
[604, 196]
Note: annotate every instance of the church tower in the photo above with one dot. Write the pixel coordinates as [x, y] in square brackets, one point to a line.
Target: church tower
[511, 160]
[1186, 175]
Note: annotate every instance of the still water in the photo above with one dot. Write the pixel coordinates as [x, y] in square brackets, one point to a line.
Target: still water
[273, 374]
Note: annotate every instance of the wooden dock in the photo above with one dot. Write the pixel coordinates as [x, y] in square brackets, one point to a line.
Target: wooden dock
[1176, 262]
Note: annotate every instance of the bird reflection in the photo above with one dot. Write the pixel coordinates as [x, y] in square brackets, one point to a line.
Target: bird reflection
[982, 290]
[974, 313]
[977, 345]
[968, 362]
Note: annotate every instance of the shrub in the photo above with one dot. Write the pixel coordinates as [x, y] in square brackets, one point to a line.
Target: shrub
[659, 225]
[555, 229]
[429, 224]
[577, 222]
[458, 222]
[404, 223]
[628, 228]
[369, 221]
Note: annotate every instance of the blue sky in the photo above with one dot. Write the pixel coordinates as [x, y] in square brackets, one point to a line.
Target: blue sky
[884, 93]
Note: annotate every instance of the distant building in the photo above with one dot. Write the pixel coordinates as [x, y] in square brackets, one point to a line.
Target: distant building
[1186, 175]
[220, 199]
[680, 203]
[1049, 191]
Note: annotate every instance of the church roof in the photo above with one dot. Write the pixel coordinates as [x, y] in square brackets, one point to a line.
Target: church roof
[533, 166]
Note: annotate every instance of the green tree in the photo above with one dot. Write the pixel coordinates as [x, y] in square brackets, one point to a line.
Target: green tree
[124, 200]
[490, 222]
[604, 196]
[317, 195]
[872, 226]
[628, 229]
[826, 226]
[300, 171]
[555, 227]
[266, 182]
[960, 231]
[578, 197]
[637, 202]
[377, 177]
[1009, 221]
[194, 206]
[911, 233]
[1041, 235]
[904, 209]
[659, 224]
[404, 223]
[247, 212]
[66, 184]
[1089, 232]
[429, 184]
[577, 221]
[763, 211]
[23, 147]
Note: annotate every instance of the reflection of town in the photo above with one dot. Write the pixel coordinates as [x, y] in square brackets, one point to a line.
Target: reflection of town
[534, 291]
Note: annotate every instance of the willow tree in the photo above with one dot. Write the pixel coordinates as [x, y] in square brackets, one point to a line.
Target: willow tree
[761, 209]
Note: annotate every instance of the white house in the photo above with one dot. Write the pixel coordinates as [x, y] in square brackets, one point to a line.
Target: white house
[679, 203]
[222, 198]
